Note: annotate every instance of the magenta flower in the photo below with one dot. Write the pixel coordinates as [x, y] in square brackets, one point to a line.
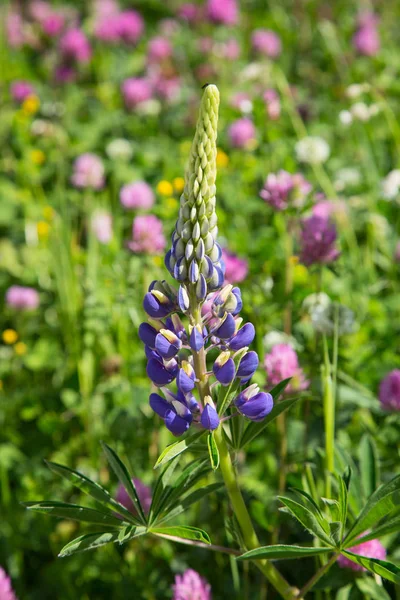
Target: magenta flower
[136, 195]
[88, 172]
[267, 42]
[102, 226]
[272, 104]
[241, 133]
[370, 549]
[20, 90]
[166, 88]
[75, 46]
[15, 30]
[224, 12]
[366, 39]
[282, 362]
[143, 492]
[22, 298]
[64, 74]
[389, 391]
[189, 12]
[282, 188]
[191, 586]
[236, 269]
[230, 49]
[130, 26]
[136, 90]
[147, 235]
[53, 24]
[159, 49]
[6, 591]
[318, 239]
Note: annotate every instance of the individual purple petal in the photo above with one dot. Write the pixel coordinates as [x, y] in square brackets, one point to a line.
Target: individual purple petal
[147, 334]
[209, 418]
[159, 405]
[184, 381]
[201, 288]
[154, 308]
[225, 373]
[217, 278]
[243, 338]
[255, 408]
[193, 272]
[237, 293]
[226, 329]
[167, 344]
[158, 373]
[248, 365]
[196, 340]
[192, 403]
[183, 299]
[176, 424]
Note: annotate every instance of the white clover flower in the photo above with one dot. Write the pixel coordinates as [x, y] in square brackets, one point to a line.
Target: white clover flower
[347, 177]
[246, 107]
[391, 185]
[313, 150]
[275, 337]
[320, 299]
[357, 89]
[345, 117]
[119, 149]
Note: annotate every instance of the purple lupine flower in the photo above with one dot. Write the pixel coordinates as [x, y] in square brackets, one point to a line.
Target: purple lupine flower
[135, 91]
[267, 42]
[366, 39]
[136, 195]
[282, 189]
[143, 492]
[101, 224]
[224, 368]
[174, 411]
[242, 133]
[224, 12]
[318, 241]
[370, 549]
[88, 172]
[22, 298]
[236, 269]
[191, 586]
[20, 90]
[147, 235]
[6, 591]
[75, 46]
[389, 391]
[159, 49]
[253, 404]
[281, 363]
[209, 417]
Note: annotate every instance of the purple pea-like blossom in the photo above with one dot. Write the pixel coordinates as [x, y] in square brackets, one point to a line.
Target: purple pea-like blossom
[389, 391]
[253, 404]
[191, 585]
[318, 241]
[6, 591]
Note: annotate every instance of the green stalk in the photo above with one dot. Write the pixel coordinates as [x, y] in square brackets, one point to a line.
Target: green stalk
[329, 418]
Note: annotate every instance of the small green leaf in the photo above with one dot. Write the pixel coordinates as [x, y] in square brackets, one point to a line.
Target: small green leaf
[335, 528]
[282, 552]
[177, 448]
[213, 451]
[343, 502]
[379, 567]
[370, 589]
[181, 533]
[383, 501]
[280, 387]
[92, 489]
[369, 465]
[125, 479]
[307, 519]
[189, 500]
[90, 541]
[388, 526]
[74, 512]
[254, 429]
[126, 533]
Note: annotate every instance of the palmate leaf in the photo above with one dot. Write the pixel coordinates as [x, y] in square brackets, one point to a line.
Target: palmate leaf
[189, 500]
[90, 541]
[161, 489]
[381, 503]
[177, 448]
[308, 520]
[369, 465]
[74, 512]
[125, 479]
[174, 491]
[182, 533]
[379, 567]
[92, 489]
[254, 429]
[281, 551]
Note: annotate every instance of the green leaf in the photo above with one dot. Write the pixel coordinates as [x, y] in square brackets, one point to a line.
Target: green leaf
[369, 465]
[343, 503]
[281, 551]
[213, 451]
[335, 528]
[177, 448]
[161, 489]
[370, 589]
[388, 526]
[279, 388]
[307, 519]
[74, 512]
[312, 505]
[182, 533]
[125, 479]
[379, 567]
[90, 541]
[189, 500]
[92, 489]
[254, 429]
[381, 503]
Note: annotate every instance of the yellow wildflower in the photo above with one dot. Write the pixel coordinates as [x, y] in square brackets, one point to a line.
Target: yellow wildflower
[9, 336]
[222, 159]
[20, 348]
[179, 184]
[158, 261]
[165, 188]
[43, 229]
[31, 105]
[37, 157]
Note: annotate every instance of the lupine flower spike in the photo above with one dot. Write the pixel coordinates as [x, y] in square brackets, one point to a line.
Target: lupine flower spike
[192, 350]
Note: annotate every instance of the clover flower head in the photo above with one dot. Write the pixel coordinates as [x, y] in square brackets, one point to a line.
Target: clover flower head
[190, 585]
[389, 391]
[6, 591]
[370, 549]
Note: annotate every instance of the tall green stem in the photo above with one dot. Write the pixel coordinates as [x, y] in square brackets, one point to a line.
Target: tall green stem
[329, 418]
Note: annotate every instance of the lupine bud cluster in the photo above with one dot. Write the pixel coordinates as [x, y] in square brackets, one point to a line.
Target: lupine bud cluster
[187, 362]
